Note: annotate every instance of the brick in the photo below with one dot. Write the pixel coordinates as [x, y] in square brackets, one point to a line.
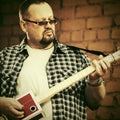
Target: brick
[115, 33]
[10, 19]
[105, 46]
[88, 11]
[107, 75]
[14, 6]
[10, 7]
[107, 101]
[103, 113]
[118, 99]
[99, 22]
[113, 86]
[5, 31]
[92, 56]
[82, 2]
[117, 20]
[65, 13]
[118, 47]
[103, 34]
[108, 113]
[64, 37]
[90, 35]
[116, 113]
[14, 41]
[91, 114]
[1, 20]
[3, 42]
[77, 36]
[17, 30]
[116, 71]
[69, 3]
[79, 44]
[110, 9]
[55, 4]
[99, 1]
[6, 8]
[73, 24]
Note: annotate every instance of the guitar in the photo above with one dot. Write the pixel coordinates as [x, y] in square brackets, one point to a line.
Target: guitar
[73, 79]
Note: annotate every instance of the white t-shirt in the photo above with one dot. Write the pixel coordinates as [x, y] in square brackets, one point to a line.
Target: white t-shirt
[33, 76]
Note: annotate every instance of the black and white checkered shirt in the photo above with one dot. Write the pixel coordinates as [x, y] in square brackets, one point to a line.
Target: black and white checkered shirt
[64, 62]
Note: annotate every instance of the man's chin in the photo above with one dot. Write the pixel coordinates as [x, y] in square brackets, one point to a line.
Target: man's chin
[47, 41]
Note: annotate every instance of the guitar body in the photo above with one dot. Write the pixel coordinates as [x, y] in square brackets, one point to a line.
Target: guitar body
[32, 109]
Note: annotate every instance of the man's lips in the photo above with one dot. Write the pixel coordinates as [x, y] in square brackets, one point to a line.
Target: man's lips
[48, 32]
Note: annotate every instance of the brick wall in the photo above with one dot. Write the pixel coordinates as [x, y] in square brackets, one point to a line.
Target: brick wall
[91, 24]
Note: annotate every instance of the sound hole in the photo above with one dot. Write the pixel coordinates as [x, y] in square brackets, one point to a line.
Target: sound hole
[33, 108]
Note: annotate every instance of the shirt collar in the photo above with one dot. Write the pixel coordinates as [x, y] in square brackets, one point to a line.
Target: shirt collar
[22, 46]
[58, 47]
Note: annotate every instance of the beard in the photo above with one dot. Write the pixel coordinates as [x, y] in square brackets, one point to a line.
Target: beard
[47, 39]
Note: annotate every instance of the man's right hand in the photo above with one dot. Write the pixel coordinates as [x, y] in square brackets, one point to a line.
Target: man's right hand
[11, 107]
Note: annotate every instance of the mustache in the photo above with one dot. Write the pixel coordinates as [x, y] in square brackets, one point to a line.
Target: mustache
[47, 29]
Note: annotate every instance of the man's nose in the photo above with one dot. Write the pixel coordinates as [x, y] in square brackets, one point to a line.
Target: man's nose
[48, 25]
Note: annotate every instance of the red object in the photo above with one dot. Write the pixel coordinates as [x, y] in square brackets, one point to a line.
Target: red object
[31, 107]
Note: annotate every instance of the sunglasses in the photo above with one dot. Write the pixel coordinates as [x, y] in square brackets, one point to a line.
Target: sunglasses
[43, 23]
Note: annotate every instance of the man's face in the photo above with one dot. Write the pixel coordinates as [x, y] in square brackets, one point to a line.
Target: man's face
[40, 34]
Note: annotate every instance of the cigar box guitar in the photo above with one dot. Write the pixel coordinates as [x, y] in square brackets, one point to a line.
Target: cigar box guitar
[32, 107]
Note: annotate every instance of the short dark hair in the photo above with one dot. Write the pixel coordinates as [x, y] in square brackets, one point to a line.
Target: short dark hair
[25, 5]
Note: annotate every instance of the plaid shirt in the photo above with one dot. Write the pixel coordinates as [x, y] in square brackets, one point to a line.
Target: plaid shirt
[64, 62]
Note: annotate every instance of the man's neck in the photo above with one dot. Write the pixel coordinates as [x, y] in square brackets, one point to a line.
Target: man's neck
[45, 47]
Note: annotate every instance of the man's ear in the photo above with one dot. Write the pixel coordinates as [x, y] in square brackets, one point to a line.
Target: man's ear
[23, 26]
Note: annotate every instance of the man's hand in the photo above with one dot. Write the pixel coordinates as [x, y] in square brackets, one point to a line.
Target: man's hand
[11, 107]
[95, 90]
[101, 67]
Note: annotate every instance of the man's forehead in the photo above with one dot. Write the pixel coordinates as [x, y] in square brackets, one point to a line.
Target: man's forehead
[41, 10]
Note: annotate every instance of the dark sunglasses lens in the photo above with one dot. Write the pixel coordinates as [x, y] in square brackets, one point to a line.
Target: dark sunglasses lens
[52, 21]
[42, 23]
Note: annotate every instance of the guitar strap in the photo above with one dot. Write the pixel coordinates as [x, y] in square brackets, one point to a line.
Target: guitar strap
[94, 52]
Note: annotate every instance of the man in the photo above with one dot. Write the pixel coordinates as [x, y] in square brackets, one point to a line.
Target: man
[41, 62]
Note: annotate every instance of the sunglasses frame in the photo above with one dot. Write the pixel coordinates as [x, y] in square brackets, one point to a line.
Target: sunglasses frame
[43, 23]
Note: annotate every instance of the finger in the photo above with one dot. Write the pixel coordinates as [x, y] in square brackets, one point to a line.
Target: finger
[97, 67]
[107, 63]
[17, 105]
[100, 57]
[17, 113]
[103, 66]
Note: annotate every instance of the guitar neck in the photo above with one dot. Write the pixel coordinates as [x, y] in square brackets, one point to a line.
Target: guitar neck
[75, 78]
